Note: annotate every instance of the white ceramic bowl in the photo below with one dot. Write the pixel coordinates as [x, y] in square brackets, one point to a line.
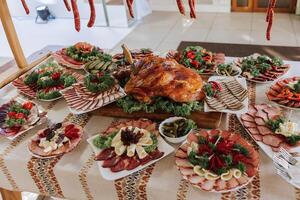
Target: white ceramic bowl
[238, 69]
[170, 139]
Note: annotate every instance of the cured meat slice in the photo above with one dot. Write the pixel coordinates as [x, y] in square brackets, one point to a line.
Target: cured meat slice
[192, 138]
[260, 121]
[184, 147]
[106, 154]
[253, 131]
[261, 106]
[220, 185]
[133, 163]
[257, 137]
[272, 140]
[247, 117]
[203, 133]
[225, 134]
[181, 154]
[145, 160]
[183, 163]
[252, 110]
[250, 170]
[196, 179]
[249, 124]
[111, 162]
[263, 115]
[156, 154]
[188, 172]
[263, 130]
[272, 112]
[121, 165]
[243, 179]
[232, 183]
[214, 132]
[208, 184]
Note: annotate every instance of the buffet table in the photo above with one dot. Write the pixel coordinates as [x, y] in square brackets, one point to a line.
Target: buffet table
[76, 175]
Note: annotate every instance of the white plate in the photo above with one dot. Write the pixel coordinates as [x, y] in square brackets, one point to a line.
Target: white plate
[243, 83]
[109, 175]
[40, 120]
[268, 150]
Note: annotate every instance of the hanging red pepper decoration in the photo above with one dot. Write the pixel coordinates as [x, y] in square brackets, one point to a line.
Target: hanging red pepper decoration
[93, 13]
[180, 6]
[67, 5]
[25, 6]
[130, 7]
[76, 15]
[192, 8]
[268, 10]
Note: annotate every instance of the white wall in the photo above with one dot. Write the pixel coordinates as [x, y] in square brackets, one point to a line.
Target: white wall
[202, 5]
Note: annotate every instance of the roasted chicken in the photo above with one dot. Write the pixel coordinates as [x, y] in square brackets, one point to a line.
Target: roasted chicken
[156, 76]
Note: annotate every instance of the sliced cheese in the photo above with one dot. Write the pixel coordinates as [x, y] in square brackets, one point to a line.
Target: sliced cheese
[116, 139]
[131, 150]
[120, 149]
[211, 176]
[141, 152]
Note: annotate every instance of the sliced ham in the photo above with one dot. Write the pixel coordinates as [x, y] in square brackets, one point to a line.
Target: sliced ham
[263, 130]
[183, 163]
[272, 140]
[259, 121]
[247, 117]
[263, 115]
[249, 124]
[188, 172]
[192, 137]
[181, 154]
[257, 137]
[243, 179]
[232, 183]
[253, 131]
[252, 110]
[196, 179]
[208, 185]
[220, 185]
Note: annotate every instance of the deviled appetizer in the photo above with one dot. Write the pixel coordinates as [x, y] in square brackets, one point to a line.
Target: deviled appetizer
[267, 124]
[79, 54]
[16, 117]
[103, 65]
[46, 82]
[128, 145]
[217, 161]
[286, 92]
[55, 140]
[262, 68]
[199, 59]
[99, 82]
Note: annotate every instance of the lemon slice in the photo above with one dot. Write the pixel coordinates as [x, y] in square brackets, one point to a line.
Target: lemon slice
[211, 176]
[198, 170]
[236, 173]
[227, 175]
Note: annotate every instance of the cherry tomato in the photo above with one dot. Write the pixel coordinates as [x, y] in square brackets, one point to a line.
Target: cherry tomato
[11, 114]
[27, 105]
[195, 63]
[20, 115]
[55, 76]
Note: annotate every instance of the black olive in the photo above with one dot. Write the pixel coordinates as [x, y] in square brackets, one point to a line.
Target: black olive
[57, 126]
[50, 135]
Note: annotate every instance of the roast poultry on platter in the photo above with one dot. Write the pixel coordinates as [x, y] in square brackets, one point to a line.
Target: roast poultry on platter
[155, 76]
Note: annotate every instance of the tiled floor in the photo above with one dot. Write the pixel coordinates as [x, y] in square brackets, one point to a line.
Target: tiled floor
[162, 31]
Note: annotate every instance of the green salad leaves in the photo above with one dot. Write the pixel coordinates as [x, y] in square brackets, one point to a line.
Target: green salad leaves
[130, 105]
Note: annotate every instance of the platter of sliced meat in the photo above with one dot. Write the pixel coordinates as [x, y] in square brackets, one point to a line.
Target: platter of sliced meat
[262, 68]
[270, 128]
[77, 55]
[55, 140]
[226, 94]
[96, 91]
[19, 116]
[286, 93]
[217, 161]
[127, 147]
[46, 80]
[198, 58]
